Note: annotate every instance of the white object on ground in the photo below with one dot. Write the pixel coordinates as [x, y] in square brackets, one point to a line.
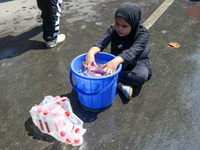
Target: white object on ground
[54, 116]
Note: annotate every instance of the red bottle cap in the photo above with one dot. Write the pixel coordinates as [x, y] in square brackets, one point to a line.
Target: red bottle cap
[55, 113]
[63, 99]
[76, 140]
[46, 112]
[57, 97]
[68, 140]
[57, 103]
[67, 113]
[50, 107]
[40, 109]
[62, 133]
[77, 130]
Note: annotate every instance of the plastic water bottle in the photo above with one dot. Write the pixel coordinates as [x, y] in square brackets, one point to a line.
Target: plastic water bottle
[46, 112]
[59, 122]
[47, 99]
[74, 139]
[57, 97]
[40, 118]
[65, 130]
[66, 104]
[68, 127]
[92, 71]
[75, 120]
[96, 70]
[33, 113]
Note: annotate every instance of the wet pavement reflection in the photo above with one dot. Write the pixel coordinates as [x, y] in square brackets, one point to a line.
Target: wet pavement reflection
[163, 114]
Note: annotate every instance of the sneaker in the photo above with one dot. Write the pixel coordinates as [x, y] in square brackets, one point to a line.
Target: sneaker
[128, 91]
[60, 38]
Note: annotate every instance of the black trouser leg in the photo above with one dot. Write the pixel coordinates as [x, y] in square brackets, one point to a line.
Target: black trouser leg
[51, 11]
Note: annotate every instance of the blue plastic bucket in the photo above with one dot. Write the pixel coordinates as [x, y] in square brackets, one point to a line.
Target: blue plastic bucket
[94, 92]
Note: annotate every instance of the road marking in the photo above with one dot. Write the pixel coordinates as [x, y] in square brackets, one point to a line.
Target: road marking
[157, 13]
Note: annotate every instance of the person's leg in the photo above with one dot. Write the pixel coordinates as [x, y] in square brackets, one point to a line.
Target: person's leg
[138, 76]
[51, 15]
[51, 19]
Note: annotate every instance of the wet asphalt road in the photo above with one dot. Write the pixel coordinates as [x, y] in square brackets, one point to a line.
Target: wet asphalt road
[163, 114]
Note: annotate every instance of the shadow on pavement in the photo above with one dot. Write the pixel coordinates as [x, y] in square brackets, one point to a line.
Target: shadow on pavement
[3, 1]
[85, 114]
[12, 46]
[33, 131]
[89, 115]
[37, 134]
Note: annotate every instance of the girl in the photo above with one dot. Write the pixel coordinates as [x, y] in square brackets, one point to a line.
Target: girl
[129, 40]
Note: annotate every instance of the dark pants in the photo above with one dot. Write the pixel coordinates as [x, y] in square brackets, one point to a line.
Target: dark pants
[137, 76]
[51, 11]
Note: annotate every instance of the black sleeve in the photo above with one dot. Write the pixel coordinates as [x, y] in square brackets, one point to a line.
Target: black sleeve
[103, 42]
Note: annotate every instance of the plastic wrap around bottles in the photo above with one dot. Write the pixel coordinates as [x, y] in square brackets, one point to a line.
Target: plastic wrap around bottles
[94, 92]
[54, 116]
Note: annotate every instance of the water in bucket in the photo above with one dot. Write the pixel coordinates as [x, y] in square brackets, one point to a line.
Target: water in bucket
[92, 71]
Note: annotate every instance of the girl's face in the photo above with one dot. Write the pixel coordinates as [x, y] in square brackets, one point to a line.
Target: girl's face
[122, 27]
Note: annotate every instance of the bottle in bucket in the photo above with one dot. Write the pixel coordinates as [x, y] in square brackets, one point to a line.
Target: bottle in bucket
[96, 71]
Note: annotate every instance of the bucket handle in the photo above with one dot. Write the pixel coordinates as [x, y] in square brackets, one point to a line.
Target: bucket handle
[90, 94]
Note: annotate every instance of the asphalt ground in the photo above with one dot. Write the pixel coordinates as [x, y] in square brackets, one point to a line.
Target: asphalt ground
[163, 114]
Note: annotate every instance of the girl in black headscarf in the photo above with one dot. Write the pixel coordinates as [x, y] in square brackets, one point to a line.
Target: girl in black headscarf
[129, 40]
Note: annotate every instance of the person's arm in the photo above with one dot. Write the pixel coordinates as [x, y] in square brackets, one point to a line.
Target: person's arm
[89, 59]
[105, 39]
[98, 46]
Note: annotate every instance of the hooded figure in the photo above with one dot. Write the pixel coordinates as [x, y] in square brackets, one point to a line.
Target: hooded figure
[132, 48]
[132, 15]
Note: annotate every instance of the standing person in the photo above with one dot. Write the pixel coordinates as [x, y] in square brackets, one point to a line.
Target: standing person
[129, 40]
[51, 11]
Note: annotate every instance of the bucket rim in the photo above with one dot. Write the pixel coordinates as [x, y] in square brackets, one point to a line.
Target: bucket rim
[94, 78]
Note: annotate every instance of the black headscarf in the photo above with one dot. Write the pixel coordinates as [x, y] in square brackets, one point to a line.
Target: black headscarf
[131, 13]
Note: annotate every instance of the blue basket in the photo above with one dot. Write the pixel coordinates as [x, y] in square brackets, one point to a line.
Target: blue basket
[94, 92]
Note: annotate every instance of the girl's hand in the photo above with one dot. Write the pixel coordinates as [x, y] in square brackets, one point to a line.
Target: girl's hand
[109, 68]
[89, 59]
[112, 65]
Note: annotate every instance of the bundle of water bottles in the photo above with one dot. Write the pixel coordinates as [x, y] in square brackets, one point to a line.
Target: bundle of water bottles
[55, 117]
